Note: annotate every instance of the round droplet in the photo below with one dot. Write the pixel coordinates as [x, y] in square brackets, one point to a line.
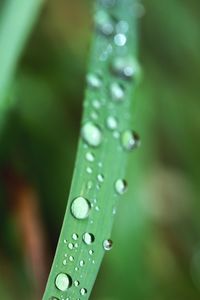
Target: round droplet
[88, 238]
[91, 252]
[103, 23]
[83, 291]
[70, 246]
[63, 282]
[94, 81]
[117, 92]
[111, 123]
[91, 134]
[80, 208]
[122, 27]
[125, 67]
[100, 178]
[71, 258]
[130, 140]
[120, 186]
[76, 283]
[64, 262]
[89, 170]
[107, 244]
[75, 236]
[120, 39]
[82, 263]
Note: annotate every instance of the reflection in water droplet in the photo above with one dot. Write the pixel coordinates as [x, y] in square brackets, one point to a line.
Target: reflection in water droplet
[88, 238]
[120, 186]
[80, 208]
[94, 81]
[107, 244]
[117, 92]
[130, 140]
[91, 134]
[120, 39]
[83, 291]
[63, 282]
[111, 122]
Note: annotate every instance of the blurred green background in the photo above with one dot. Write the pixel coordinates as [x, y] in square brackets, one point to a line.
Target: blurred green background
[156, 253]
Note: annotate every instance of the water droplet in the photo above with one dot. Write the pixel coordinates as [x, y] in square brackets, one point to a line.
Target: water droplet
[71, 258]
[130, 140]
[100, 164]
[64, 262]
[116, 134]
[53, 298]
[88, 238]
[122, 27]
[91, 134]
[83, 291]
[91, 252]
[103, 23]
[89, 170]
[82, 263]
[120, 39]
[76, 245]
[80, 208]
[94, 115]
[117, 92]
[89, 185]
[125, 67]
[94, 81]
[97, 208]
[76, 283]
[111, 122]
[70, 246]
[75, 236]
[63, 282]
[120, 186]
[96, 104]
[100, 177]
[107, 244]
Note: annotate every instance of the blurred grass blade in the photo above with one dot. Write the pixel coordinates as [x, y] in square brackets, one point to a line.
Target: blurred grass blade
[101, 158]
[16, 21]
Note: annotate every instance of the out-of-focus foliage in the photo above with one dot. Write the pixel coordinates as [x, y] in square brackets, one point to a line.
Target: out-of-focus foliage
[156, 253]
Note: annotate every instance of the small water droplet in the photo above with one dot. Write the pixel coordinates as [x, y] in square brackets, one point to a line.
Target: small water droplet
[116, 134]
[122, 27]
[63, 282]
[71, 258]
[117, 92]
[91, 134]
[70, 246]
[125, 67]
[64, 262]
[83, 291]
[107, 244]
[82, 263]
[120, 39]
[94, 81]
[120, 186]
[91, 252]
[96, 104]
[90, 156]
[80, 208]
[108, 3]
[94, 115]
[97, 208]
[100, 178]
[89, 185]
[130, 140]
[76, 283]
[89, 170]
[103, 23]
[111, 122]
[75, 236]
[88, 238]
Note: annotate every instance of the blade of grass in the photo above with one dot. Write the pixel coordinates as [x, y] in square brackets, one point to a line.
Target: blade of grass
[16, 21]
[95, 175]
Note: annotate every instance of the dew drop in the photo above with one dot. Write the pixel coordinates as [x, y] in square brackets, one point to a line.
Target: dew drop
[71, 258]
[91, 134]
[96, 104]
[117, 92]
[64, 262]
[100, 178]
[130, 140]
[122, 27]
[82, 263]
[91, 252]
[94, 81]
[70, 246]
[80, 208]
[111, 122]
[120, 186]
[125, 67]
[89, 185]
[83, 291]
[120, 39]
[88, 238]
[75, 236]
[63, 282]
[107, 244]
[76, 283]
[103, 23]
[89, 170]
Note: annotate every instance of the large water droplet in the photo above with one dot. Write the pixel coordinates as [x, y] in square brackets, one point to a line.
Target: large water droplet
[80, 208]
[63, 282]
[117, 92]
[107, 244]
[83, 291]
[91, 134]
[130, 140]
[125, 67]
[94, 81]
[111, 123]
[120, 186]
[88, 238]
[120, 39]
